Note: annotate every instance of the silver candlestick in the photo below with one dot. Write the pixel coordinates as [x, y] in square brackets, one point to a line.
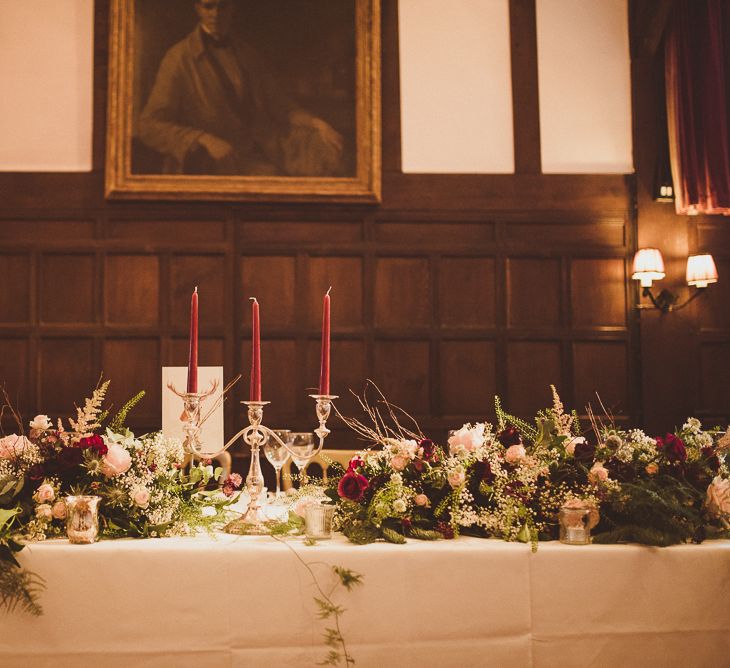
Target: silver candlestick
[256, 435]
[191, 419]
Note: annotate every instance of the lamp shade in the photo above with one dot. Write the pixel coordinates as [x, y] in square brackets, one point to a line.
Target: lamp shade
[701, 270]
[648, 266]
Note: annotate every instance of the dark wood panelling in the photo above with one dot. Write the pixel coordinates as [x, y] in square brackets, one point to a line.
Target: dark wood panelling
[402, 370]
[715, 378]
[598, 291]
[531, 368]
[533, 293]
[133, 365]
[272, 280]
[15, 292]
[601, 370]
[402, 292]
[468, 378]
[15, 373]
[211, 352]
[207, 272]
[467, 292]
[132, 290]
[67, 288]
[344, 275]
[67, 372]
[186, 231]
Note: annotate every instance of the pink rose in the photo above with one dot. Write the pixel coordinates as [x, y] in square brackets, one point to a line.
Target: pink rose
[457, 477]
[652, 468]
[570, 445]
[598, 473]
[398, 463]
[420, 500]
[59, 510]
[44, 512]
[467, 439]
[300, 507]
[116, 461]
[13, 446]
[515, 453]
[44, 493]
[718, 497]
[141, 497]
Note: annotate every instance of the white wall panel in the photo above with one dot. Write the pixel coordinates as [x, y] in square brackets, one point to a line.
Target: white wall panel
[456, 86]
[46, 70]
[585, 86]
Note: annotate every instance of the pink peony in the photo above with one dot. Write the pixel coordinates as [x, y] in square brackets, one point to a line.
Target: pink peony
[398, 463]
[141, 497]
[420, 500]
[13, 446]
[456, 477]
[59, 510]
[718, 497]
[515, 453]
[116, 461]
[598, 473]
[466, 439]
[44, 493]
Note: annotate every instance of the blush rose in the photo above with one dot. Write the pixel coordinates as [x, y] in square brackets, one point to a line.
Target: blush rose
[116, 461]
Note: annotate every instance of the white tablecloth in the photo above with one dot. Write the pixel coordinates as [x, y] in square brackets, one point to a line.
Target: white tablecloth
[247, 601]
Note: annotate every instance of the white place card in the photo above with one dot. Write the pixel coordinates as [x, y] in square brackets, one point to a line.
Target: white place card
[212, 434]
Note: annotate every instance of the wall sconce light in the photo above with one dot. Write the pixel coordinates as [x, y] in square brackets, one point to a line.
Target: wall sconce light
[649, 267]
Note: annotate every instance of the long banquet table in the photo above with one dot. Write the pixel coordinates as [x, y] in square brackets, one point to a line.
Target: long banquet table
[229, 601]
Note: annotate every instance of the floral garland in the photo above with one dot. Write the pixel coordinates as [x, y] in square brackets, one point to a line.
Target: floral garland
[510, 480]
[144, 490]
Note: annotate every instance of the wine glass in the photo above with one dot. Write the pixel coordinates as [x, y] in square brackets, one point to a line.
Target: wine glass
[302, 447]
[277, 454]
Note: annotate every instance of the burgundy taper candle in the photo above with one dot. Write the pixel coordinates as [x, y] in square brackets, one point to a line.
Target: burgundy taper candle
[324, 369]
[255, 392]
[193, 346]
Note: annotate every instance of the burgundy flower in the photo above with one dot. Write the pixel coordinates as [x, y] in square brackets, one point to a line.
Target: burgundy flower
[510, 435]
[419, 465]
[711, 459]
[673, 448]
[228, 490]
[584, 452]
[406, 523]
[516, 490]
[352, 486]
[234, 479]
[444, 528]
[36, 472]
[355, 463]
[483, 471]
[69, 458]
[429, 449]
[95, 443]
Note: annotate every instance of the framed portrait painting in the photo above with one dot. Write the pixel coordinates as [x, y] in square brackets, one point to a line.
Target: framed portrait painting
[244, 100]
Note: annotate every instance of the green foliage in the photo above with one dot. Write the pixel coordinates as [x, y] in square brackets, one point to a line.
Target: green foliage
[424, 534]
[348, 578]
[20, 588]
[392, 536]
[361, 533]
[116, 424]
[503, 419]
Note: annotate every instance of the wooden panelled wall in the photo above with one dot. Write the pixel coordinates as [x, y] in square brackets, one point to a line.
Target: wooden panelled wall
[453, 289]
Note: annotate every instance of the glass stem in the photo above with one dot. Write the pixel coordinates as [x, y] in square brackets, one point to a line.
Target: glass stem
[278, 483]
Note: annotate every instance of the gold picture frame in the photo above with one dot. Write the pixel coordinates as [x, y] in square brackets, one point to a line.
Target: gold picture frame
[149, 42]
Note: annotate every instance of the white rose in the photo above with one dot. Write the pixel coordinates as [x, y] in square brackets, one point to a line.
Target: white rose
[570, 445]
[692, 424]
[399, 506]
[141, 497]
[515, 453]
[40, 423]
[44, 512]
[718, 497]
[44, 493]
[598, 473]
[456, 477]
[59, 510]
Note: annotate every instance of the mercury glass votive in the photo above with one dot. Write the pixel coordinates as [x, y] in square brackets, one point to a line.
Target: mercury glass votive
[575, 526]
[82, 519]
[318, 521]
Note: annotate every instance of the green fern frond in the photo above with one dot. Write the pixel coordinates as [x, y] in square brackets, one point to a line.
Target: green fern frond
[117, 422]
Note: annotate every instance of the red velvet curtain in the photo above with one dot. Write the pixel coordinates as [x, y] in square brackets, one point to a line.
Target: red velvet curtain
[697, 70]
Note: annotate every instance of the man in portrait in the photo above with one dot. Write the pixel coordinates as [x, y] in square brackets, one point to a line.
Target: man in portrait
[216, 109]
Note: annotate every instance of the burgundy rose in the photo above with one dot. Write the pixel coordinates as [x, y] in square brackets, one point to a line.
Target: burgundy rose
[36, 472]
[429, 449]
[711, 459]
[444, 528]
[69, 458]
[673, 448]
[95, 443]
[584, 452]
[516, 490]
[483, 471]
[355, 463]
[352, 486]
[510, 435]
